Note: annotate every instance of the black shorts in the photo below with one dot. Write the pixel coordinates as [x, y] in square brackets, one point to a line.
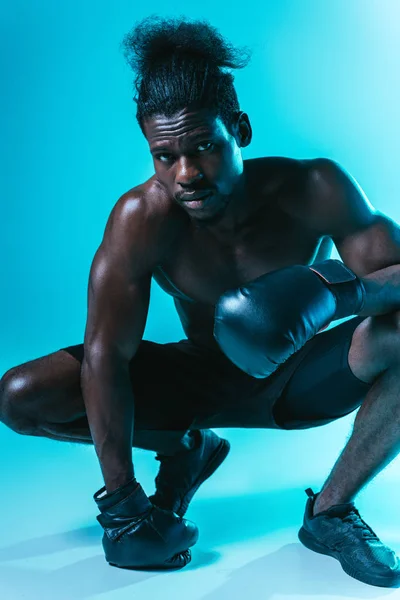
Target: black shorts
[181, 385]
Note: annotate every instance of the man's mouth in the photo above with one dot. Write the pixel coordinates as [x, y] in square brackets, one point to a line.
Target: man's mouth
[195, 200]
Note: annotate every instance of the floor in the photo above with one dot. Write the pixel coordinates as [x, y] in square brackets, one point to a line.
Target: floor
[50, 547]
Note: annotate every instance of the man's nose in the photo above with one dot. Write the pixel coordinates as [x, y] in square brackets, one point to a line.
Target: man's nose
[188, 173]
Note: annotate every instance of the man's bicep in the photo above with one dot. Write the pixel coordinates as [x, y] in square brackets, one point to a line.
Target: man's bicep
[119, 282]
[117, 309]
[371, 248]
[365, 239]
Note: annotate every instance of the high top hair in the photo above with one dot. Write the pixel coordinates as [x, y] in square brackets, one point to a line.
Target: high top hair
[181, 63]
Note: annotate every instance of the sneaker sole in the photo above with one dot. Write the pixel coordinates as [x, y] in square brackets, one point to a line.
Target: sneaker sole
[216, 459]
[309, 541]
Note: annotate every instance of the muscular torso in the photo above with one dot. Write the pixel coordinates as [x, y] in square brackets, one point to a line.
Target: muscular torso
[199, 266]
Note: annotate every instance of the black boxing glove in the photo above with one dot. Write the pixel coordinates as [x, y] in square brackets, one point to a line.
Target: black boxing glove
[140, 535]
[260, 325]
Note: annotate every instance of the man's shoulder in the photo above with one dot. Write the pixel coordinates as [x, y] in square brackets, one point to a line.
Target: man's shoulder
[144, 216]
[148, 204]
[148, 199]
[297, 184]
[326, 198]
[279, 177]
[281, 170]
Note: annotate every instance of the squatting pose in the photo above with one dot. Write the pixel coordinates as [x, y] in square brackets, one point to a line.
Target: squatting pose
[243, 248]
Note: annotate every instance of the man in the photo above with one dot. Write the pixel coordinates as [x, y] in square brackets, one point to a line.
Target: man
[242, 246]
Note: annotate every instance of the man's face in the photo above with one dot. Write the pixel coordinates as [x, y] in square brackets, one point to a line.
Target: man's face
[195, 154]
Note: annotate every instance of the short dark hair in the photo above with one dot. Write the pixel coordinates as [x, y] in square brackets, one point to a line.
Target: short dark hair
[180, 63]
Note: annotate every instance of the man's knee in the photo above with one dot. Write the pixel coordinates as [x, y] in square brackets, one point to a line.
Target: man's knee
[375, 346]
[14, 393]
[384, 332]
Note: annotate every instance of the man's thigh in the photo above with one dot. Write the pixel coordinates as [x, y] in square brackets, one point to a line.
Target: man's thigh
[178, 386]
[323, 387]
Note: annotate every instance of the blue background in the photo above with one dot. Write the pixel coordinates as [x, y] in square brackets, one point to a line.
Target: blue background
[324, 80]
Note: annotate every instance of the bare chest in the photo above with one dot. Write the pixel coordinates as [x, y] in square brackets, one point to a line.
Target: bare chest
[200, 267]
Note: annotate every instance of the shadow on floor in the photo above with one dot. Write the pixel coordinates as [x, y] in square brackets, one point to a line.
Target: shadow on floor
[222, 521]
[293, 571]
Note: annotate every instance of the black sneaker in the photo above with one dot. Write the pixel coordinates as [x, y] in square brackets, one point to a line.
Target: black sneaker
[181, 475]
[341, 532]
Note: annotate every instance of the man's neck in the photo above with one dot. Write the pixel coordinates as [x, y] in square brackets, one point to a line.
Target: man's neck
[235, 213]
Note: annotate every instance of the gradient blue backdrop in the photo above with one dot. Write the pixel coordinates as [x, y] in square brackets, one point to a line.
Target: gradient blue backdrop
[324, 81]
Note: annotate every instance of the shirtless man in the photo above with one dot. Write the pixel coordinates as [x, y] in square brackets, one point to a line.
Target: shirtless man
[232, 242]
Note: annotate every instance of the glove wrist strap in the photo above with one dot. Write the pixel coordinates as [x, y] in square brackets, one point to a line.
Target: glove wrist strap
[344, 284]
[128, 500]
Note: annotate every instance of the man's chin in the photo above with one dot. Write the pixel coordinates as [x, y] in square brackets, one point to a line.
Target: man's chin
[204, 219]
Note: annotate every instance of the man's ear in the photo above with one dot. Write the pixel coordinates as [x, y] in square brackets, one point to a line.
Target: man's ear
[242, 129]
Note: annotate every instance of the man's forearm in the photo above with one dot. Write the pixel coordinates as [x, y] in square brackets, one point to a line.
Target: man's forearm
[382, 292]
[109, 402]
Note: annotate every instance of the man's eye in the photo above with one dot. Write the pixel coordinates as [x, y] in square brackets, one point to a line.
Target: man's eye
[164, 157]
[206, 146]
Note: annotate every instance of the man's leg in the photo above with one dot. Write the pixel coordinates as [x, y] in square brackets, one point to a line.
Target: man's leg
[351, 365]
[374, 357]
[43, 398]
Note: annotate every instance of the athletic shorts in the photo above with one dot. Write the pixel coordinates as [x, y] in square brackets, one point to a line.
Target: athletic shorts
[181, 385]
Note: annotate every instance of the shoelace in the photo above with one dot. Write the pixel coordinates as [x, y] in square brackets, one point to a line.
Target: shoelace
[354, 518]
